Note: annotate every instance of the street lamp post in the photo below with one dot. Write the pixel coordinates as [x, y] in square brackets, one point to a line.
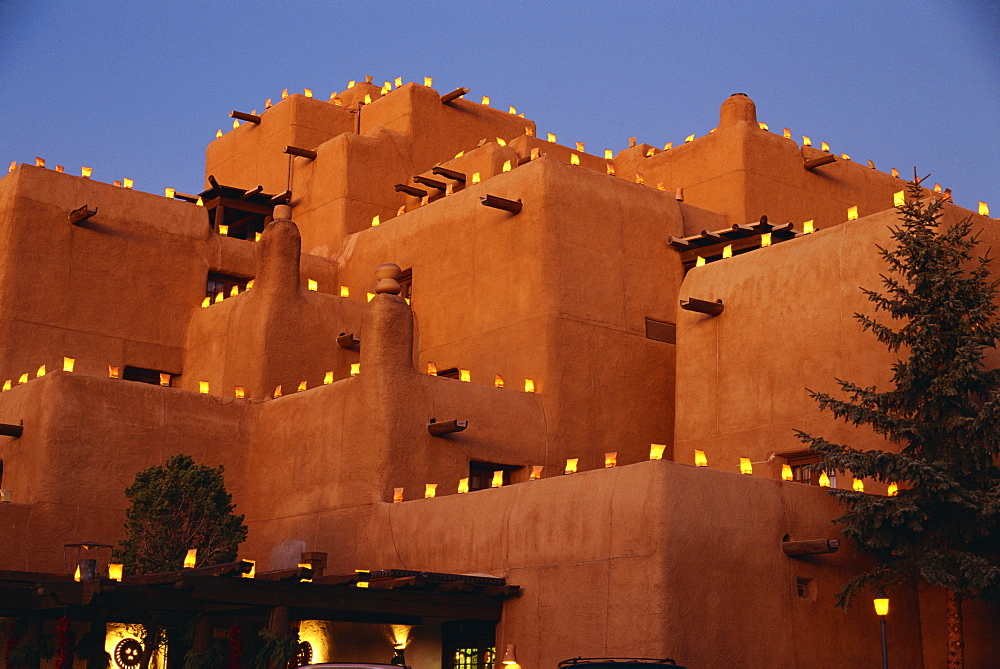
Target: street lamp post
[882, 610]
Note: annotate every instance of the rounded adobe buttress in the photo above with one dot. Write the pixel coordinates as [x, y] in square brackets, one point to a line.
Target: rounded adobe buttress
[737, 108]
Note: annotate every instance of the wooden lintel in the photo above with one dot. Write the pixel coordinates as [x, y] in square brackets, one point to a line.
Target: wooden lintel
[187, 197]
[411, 190]
[710, 234]
[440, 428]
[243, 116]
[703, 306]
[78, 216]
[281, 198]
[348, 340]
[513, 206]
[309, 154]
[454, 95]
[215, 183]
[810, 547]
[430, 183]
[813, 163]
[454, 175]
[679, 242]
[11, 430]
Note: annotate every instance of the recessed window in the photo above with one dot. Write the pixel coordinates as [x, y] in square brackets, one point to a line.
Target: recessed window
[406, 283]
[803, 471]
[481, 474]
[661, 331]
[450, 373]
[224, 283]
[804, 588]
[153, 377]
[468, 644]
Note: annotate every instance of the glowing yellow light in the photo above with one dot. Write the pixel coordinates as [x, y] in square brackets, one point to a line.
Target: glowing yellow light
[511, 110]
[397, 495]
[650, 152]
[463, 485]
[308, 92]
[571, 464]
[497, 481]
[313, 284]
[464, 375]
[894, 172]
[656, 451]
[668, 146]
[203, 387]
[639, 178]
[529, 131]
[303, 385]
[253, 569]
[852, 213]
[984, 209]
[199, 202]
[806, 141]
[76, 574]
[765, 239]
[844, 156]
[535, 153]
[284, 93]
[164, 379]
[727, 251]
[529, 386]
[574, 159]
[786, 473]
[428, 81]
[611, 169]
[236, 124]
[39, 162]
[40, 372]
[501, 141]
[191, 559]
[552, 137]
[370, 296]
[824, 146]
[376, 220]
[937, 188]
[24, 378]
[536, 472]
[506, 166]
[859, 485]
[762, 125]
[498, 381]
[69, 364]
[241, 392]
[432, 369]
[249, 284]
[700, 262]
[661, 186]
[220, 296]
[786, 133]
[267, 103]
[607, 154]
[127, 183]
[893, 490]
[700, 460]
[476, 178]
[398, 81]
[114, 372]
[13, 166]
[486, 100]
[689, 138]
[336, 100]
[223, 229]
[168, 192]
[430, 490]
[368, 98]
[610, 460]
[824, 480]
[345, 291]
[746, 467]
[115, 571]
[234, 291]
[6, 385]
[328, 378]
[207, 301]
[85, 172]
[881, 604]
[807, 227]
[277, 392]
[460, 154]
[355, 368]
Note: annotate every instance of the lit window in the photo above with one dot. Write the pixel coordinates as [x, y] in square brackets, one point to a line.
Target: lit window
[223, 283]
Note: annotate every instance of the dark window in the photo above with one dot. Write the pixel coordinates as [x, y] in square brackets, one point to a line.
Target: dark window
[151, 376]
[406, 283]
[468, 644]
[803, 471]
[481, 474]
[222, 283]
[450, 373]
[803, 588]
[661, 331]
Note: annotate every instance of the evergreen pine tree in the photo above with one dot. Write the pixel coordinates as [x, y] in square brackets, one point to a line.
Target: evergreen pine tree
[942, 411]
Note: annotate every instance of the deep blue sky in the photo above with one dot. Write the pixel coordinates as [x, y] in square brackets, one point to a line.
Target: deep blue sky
[137, 89]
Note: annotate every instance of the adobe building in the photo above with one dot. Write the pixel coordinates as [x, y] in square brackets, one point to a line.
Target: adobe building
[423, 336]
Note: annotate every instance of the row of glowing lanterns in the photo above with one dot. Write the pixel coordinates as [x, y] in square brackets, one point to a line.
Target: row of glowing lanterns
[204, 387]
[311, 284]
[190, 560]
[611, 460]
